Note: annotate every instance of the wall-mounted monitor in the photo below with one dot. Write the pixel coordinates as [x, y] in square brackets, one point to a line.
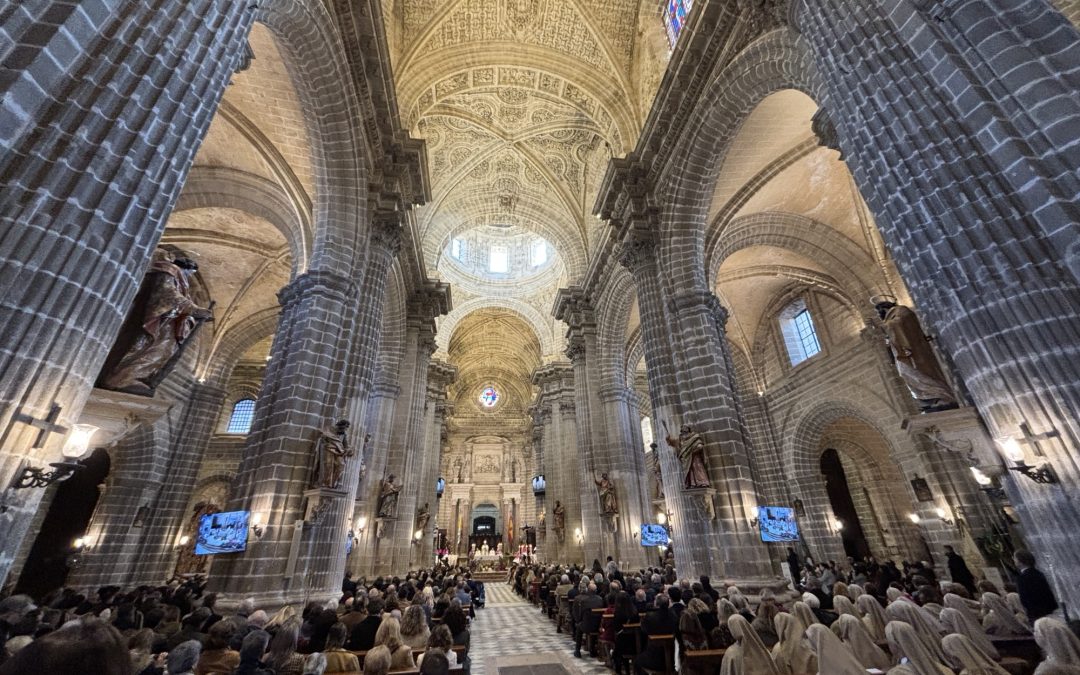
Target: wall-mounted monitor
[777, 523]
[654, 535]
[222, 533]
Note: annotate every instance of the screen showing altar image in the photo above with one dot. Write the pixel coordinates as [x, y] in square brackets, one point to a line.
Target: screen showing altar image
[654, 535]
[777, 523]
[222, 533]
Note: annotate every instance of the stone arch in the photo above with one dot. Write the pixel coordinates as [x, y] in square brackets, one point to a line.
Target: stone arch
[312, 51]
[802, 451]
[846, 261]
[774, 62]
[612, 321]
[209, 186]
[541, 326]
[232, 345]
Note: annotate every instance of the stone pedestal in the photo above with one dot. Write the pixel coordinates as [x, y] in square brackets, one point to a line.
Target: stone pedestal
[116, 414]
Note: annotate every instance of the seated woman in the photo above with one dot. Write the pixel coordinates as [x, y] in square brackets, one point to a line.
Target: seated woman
[337, 659]
[414, 628]
[442, 640]
[692, 637]
[389, 636]
[216, 657]
[378, 661]
[748, 656]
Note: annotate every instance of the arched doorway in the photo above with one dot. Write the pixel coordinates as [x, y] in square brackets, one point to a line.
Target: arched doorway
[843, 505]
[46, 566]
[485, 526]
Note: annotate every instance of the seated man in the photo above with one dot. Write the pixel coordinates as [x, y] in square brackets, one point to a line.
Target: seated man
[660, 621]
[589, 621]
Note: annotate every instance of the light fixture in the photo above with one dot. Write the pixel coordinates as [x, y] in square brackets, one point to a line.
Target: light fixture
[1043, 474]
[257, 524]
[183, 541]
[986, 484]
[838, 525]
[81, 544]
[942, 515]
[417, 536]
[75, 447]
[661, 518]
[361, 524]
[914, 517]
[579, 536]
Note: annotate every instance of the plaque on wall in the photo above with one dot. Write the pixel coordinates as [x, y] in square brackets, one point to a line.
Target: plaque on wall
[922, 489]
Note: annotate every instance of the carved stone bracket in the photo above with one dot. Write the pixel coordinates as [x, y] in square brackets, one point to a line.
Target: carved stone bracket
[380, 526]
[703, 500]
[610, 522]
[318, 502]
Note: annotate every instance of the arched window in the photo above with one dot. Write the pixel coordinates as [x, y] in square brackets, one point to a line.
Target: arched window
[498, 260]
[243, 412]
[800, 336]
[538, 254]
[457, 248]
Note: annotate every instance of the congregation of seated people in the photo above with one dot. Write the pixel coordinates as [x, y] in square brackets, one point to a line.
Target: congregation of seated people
[851, 618]
[416, 624]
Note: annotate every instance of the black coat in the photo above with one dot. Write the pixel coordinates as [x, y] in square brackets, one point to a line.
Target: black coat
[1035, 594]
[362, 637]
[659, 622]
[960, 573]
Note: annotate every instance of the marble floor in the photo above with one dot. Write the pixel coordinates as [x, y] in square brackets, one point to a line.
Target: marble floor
[512, 637]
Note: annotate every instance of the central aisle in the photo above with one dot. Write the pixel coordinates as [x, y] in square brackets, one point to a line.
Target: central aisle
[512, 637]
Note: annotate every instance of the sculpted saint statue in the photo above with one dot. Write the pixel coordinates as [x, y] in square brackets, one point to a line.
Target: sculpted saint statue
[658, 477]
[915, 359]
[559, 514]
[689, 447]
[388, 496]
[609, 503]
[422, 518]
[331, 452]
[161, 323]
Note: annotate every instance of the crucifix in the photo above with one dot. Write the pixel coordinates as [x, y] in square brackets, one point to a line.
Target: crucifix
[47, 426]
[1031, 439]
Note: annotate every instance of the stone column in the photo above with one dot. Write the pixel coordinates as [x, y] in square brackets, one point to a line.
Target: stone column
[977, 205]
[690, 381]
[627, 450]
[440, 376]
[301, 551]
[95, 155]
[379, 421]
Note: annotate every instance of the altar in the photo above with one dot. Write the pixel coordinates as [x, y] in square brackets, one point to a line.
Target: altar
[487, 559]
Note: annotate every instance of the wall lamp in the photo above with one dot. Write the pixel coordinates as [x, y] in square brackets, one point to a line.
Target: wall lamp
[987, 485]
[417, 536]
[257, 525]
[75, 447]
[82, 544]
[1043, 474]
[942, 515]
[578, 536]
[361, 525]
[182, 542]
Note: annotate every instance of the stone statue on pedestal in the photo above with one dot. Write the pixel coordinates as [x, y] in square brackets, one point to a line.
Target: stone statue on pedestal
[332, 451]
[609, 502]
[559, 514]
[689, 447]
[162, 322]
[388, 496]
[422, 518]
[915, 359]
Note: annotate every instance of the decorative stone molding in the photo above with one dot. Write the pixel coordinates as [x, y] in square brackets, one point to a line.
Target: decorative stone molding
[317, 282]
[825, 131]
[703, 500]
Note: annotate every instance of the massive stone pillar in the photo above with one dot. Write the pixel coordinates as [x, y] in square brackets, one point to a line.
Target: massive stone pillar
[691, 382]
[94, 157]
[379, 424]
[300, 552]
[977, 204]
[440, 376]
[623, 425]
[562, 466]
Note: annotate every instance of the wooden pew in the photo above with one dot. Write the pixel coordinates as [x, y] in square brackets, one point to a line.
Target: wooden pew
[704, 660]
[668, 643]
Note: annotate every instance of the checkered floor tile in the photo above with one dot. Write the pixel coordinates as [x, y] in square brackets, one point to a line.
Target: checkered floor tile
[510, 626]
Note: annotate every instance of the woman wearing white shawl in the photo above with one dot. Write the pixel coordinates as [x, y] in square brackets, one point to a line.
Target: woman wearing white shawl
[873, 616]
[958, 623]
[843, 605]
[969, 608]
[905, 642]
[854, 591]
[1060, 645]
[910, 614]
[968, 657]
[834, 657]
[855, 636]
[792, 657]
[1013, 601]
[748, 656]
[999, 620]
[802, 612]
[893, 594]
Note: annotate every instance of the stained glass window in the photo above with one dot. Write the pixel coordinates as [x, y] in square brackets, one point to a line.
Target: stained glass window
[489, 397]
[242, 414]
[675, 13]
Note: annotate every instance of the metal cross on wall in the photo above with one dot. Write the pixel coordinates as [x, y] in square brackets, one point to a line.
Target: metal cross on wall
[1033, 439]
[47, 426]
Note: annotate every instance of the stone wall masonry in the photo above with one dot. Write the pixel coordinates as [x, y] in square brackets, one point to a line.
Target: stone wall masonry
[95, 157]
[976, 203]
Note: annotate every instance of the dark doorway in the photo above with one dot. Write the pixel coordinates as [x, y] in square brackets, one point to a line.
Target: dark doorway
[69, 514]
[836, 484]
[484, 526]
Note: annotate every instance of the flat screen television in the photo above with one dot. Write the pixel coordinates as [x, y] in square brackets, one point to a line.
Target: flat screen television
[654, 535]
[777, 523]
[222, 533]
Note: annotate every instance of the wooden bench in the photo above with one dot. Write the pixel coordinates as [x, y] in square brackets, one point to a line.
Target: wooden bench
[668, 643]
[704, 660]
